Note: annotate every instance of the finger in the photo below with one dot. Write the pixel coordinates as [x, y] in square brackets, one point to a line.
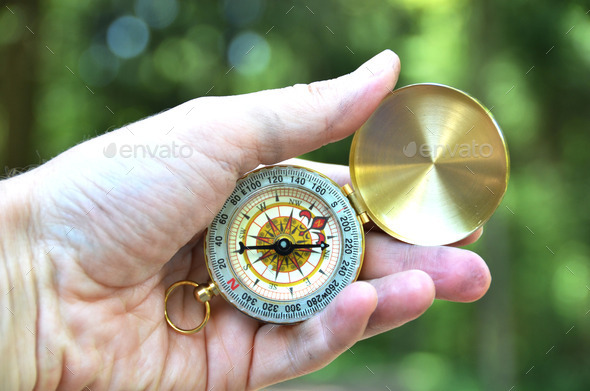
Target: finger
[270, 126]
[458, 275]
[136, 195]
[402, 297]
[284, 352]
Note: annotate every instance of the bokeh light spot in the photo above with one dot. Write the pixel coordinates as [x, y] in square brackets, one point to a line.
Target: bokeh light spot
[128, 36]
[249, 53]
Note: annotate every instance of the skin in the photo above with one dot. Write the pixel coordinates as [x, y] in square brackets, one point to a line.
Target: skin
[89, 245]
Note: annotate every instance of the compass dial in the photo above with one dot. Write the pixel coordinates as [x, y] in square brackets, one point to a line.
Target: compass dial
[285, 243]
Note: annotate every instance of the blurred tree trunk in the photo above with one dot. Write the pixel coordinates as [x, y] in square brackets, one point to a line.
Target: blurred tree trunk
[18, 66]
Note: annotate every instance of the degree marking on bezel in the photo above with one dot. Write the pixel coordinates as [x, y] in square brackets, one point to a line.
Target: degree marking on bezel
[333, 193]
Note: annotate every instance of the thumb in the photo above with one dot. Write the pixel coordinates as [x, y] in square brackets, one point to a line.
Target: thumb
[131, 206]
[282, 353]
[270, 126]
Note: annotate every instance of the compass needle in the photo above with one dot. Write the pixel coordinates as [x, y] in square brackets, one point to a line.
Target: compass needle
[244, 248]
[279, 269]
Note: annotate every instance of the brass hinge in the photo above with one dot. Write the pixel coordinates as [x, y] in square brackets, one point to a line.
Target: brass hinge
[362, 214]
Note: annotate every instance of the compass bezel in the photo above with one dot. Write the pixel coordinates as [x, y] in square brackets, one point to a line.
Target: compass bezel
[287, 311]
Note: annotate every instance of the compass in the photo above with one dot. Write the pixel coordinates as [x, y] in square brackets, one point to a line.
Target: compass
[429, 167]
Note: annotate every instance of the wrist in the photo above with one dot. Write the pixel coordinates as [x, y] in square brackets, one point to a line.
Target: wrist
[18, 289]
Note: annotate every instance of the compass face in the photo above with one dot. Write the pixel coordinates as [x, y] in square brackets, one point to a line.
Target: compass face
[285, 243]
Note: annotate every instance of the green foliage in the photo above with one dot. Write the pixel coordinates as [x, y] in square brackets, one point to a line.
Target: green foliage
[527, 60]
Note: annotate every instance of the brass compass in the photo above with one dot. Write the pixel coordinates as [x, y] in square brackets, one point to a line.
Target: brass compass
[429, 167]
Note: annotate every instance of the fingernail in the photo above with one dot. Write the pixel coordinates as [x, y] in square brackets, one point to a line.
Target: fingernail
[381, 62]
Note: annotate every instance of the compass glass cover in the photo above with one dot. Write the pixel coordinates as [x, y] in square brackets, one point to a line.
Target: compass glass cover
[285, 243]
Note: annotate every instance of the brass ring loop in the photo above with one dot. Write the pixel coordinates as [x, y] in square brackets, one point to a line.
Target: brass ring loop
[169, 321]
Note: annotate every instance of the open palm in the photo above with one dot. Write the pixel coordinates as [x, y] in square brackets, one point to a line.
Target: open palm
[109, 230]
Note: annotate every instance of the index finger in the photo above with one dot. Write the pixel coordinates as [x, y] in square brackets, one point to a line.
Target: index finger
[458, 274]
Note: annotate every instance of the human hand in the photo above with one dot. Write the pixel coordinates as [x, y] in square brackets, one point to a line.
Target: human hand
[93, 242]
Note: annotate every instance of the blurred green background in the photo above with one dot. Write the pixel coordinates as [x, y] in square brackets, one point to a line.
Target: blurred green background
[72, 70]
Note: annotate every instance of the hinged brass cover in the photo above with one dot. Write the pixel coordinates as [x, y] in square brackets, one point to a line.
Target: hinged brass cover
[430, 166]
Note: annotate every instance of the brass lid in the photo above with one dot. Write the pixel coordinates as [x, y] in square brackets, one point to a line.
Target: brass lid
[430, 166]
